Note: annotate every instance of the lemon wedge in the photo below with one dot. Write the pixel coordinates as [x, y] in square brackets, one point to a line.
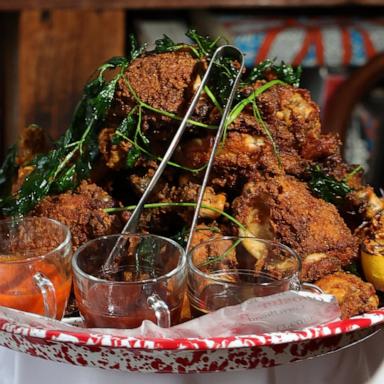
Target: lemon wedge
[373, 267]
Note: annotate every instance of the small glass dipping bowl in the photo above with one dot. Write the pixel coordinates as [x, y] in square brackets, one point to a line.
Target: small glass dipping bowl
[35, 265]
[147, 281]
[229, 270]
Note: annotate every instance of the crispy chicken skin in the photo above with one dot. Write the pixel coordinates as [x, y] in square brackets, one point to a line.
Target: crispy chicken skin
[240, 156]
[32, 141]
[240, 150]
[283, 208]
[114, 154]
[293, 108]
[164, 81]
[82, 211]
[212, 251]
[353, 294]
[291, 118]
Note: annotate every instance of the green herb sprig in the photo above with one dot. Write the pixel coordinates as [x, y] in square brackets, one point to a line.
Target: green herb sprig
[73, 155]
[327, 187]
[283, 72]
[8, 171]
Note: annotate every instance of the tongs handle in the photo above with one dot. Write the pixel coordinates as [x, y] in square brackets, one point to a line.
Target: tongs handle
[132, 223]
[219, 135]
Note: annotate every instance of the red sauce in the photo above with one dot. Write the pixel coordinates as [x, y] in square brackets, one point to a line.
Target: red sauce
[128, 309]
[18, 291]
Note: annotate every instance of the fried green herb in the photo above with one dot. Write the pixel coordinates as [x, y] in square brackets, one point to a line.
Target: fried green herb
[166, 44]
[206, 46]
[74, 154]
[327, 187]
[135, 50]
[127, 128]
[283, 72]
[355, 268]
[8, 171]
[223, 76]
[145, 256]
[224, 72]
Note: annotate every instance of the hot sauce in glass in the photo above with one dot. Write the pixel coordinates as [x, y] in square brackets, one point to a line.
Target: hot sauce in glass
[18, 291]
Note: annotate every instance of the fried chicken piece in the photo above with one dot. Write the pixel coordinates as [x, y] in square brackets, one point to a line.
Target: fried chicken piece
[188, 192]
[318, 147]
[291, 119]
[289, 113]
[295, 108]
[368, 203]
[240, 156]
[353, 294]
[164, 81]
[32, 141]
[283, 208]
[372, 234]
[240, 150]
[212, 252]
[82, 211]
[115, 155]
[161, 219]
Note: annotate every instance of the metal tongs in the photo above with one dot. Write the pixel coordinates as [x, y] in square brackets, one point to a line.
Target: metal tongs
[132, 223]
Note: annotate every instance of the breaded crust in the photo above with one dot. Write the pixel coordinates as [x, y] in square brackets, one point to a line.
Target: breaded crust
[353, 294]
[82, 211]
[164, 81]
[284, 207]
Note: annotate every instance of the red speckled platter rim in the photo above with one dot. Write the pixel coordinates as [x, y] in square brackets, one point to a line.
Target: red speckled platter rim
[92, 338]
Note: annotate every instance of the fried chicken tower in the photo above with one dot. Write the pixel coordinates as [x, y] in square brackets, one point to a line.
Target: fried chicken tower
[263, 174]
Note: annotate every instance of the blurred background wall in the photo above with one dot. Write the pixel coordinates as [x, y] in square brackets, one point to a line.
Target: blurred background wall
[49, 48]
